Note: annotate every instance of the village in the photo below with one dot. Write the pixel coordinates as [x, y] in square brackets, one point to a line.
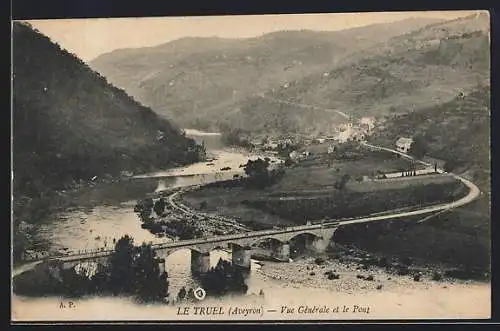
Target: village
[301, 146]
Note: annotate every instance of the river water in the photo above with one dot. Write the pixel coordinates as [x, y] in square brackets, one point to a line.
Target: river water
[107, 215]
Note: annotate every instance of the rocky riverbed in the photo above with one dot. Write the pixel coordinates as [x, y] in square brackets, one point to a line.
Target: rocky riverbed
[349, 271]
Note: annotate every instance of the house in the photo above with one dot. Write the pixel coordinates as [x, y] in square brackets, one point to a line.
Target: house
[271, 145]
[320, 140]
[293, 155]
[403, 144]
[367, 123]
[307, 142]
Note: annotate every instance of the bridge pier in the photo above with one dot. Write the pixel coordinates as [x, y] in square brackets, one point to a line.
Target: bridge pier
[200, 262]
[161, 266]
[326, 240]
[240, 256]
[282, 251]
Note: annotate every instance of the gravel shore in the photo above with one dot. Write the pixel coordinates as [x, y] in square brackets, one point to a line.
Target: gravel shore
[352, 278]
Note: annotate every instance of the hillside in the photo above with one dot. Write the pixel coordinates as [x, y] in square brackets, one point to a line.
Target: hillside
[198, 80]
[69, 124]
[457, 131]
[420, 69]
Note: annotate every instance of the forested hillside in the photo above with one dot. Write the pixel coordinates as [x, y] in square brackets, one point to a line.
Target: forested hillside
[69, 124]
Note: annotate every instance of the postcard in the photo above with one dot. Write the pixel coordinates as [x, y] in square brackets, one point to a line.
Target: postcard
[299, 167]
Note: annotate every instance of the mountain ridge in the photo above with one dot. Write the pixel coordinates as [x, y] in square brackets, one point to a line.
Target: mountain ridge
[214, 74]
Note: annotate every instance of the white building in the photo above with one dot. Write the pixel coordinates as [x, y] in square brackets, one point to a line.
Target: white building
[403, 144]
[271, 145]
[367, 123]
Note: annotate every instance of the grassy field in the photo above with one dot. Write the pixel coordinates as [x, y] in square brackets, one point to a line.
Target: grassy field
[347, 203]
[316, 173]
[399, 183]
[307, 191]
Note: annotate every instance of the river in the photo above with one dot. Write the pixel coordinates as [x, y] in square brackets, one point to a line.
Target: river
[106, 215]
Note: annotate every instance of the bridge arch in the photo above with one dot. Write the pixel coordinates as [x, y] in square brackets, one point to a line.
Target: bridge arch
[307, 235]
[165, 252]
[267, 242]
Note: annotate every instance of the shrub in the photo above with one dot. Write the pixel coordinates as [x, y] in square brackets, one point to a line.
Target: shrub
[332, 276]
[437, 276]
[319, 260]
[403, 270]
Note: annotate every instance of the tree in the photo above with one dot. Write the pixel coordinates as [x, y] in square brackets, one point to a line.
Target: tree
[418, 148]
[340, 185]
[450, 165]
[257, 172]
[121, 262]
[144, 209]
[224, 278]
[136, 270]
[159, 207]
[288, 162]
[182, 293]
[149, 284]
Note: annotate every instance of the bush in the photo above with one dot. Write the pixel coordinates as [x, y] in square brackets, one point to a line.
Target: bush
[437, 276]
[403, 270]
[407, 261]
[370, 278]
[319, 260]
[332, 276]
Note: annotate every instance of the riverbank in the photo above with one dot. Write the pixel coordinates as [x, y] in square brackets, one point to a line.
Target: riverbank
[231, 159]
[387, 295]
[78, 204]
[431, 302]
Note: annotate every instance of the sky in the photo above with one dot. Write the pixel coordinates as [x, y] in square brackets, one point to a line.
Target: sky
[88, 38]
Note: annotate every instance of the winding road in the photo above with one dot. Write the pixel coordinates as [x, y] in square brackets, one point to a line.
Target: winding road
[301, 105]
[473, 194]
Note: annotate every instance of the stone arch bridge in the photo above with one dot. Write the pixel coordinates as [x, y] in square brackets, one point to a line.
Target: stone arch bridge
[240, 245]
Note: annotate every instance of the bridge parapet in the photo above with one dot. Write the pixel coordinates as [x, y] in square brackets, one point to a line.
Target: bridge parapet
[324, 232]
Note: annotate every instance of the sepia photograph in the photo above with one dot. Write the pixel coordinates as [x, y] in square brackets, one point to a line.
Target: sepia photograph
[291, 167]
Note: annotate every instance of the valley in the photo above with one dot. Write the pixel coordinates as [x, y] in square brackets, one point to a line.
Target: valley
[354, 163]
